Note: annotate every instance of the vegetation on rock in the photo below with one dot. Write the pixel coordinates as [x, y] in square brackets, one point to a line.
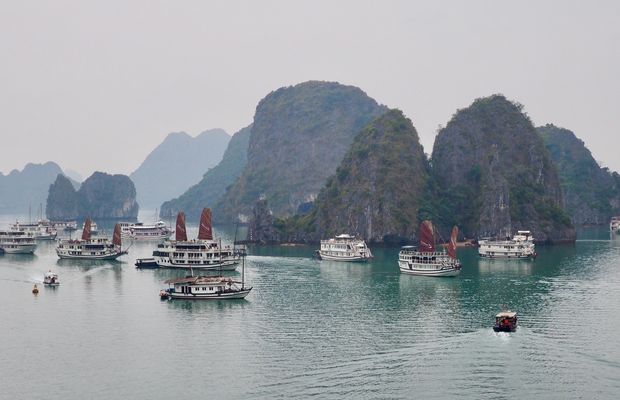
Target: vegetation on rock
[591, 193]
[101, 196]
[214, 182]
[299, 137]
[494, 175]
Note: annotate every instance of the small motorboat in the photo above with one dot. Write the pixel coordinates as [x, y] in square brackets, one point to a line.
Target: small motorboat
[35, 289]
[146, 263]
[164, 294]
[51, 279]
[505, 321]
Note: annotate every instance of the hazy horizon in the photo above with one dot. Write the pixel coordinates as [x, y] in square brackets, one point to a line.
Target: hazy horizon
[99, 86]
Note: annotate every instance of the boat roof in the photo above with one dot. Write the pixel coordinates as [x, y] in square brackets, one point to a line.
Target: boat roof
[344, 236]
[408, 247]
[197, 280]
[506, 314]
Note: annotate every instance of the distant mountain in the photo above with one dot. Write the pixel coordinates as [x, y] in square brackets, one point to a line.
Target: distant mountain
[28, 187]
[299, 136]
[591, 193]
[101, 196]
[494, 174]
[376, 192]
[214, 182]
[176, 164]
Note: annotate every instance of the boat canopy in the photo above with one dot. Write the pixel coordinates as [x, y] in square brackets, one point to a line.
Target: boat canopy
[344, 236]
[408, 247]
[506, 314]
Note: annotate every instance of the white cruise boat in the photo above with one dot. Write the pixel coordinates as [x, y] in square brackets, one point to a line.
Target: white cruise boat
[520, 246]
[89, 248]
[41, 230]
[17, 242]
[614, 224]
[425, 260]
[140, 231]
[205, 288]
[51, 279]
[344, 248]
[201, 253]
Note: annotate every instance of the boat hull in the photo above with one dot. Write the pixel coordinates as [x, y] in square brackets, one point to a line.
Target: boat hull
[507, 256]
[447, 272]
[23, 249]
[211, 296]
[224, 266]
[91, 257]
[504, 329]
[146, 263]
[342, 258]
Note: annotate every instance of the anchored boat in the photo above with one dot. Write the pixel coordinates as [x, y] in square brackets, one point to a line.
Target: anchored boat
[425, 260]
[344, 248]
[17, 242]
[202, 253]
[89, 248]
[520, 246]
[614, 224]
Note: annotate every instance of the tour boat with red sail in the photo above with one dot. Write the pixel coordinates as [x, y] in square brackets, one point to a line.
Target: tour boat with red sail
[425, 260]
[203, 253]
[89, 248]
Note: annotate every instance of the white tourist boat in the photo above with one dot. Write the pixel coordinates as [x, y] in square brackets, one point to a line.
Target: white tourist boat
[520, 246]
[614, 224]
[141, 231]
[201, 253]
[41, 230]
[51, 279]
[344, 248]
[425, 260]
[17, 242]
[89, 248]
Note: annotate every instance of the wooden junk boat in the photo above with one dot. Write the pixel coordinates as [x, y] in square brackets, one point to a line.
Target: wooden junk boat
[505, 321]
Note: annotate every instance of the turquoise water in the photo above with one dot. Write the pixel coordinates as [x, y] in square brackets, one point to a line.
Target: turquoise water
[316, 329]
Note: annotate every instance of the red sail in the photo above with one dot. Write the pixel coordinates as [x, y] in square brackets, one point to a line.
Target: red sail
[116, 238]
[427, 237]
[205, 232]
[452, 244]
[181, 233]
[86, 231]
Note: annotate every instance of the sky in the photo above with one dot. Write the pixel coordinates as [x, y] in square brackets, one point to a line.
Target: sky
[98, 85]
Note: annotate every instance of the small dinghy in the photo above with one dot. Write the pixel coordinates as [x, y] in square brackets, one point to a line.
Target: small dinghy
[51, 279]
[505, 321]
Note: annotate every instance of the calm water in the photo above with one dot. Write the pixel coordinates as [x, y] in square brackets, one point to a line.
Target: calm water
[315, 328]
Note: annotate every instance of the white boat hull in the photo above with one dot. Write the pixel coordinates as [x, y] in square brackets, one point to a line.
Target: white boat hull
[506, 255]
[112, 256]
[22, 249]
[211, 296]
[224, 266]
[326, 257]
[439, 271]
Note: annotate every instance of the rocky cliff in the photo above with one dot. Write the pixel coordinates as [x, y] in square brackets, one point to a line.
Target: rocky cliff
[495, 175]
[377, 190]
[101, 196]
[176, 164]
[63, 201]
[214, 182]
[299, 136]
[591, 194]
[261, 228]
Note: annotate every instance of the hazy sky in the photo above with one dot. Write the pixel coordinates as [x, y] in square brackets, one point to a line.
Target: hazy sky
[97, 85]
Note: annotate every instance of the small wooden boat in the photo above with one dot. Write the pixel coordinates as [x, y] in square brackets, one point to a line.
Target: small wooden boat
[505, 321]
[35, 289]
[148, 262]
